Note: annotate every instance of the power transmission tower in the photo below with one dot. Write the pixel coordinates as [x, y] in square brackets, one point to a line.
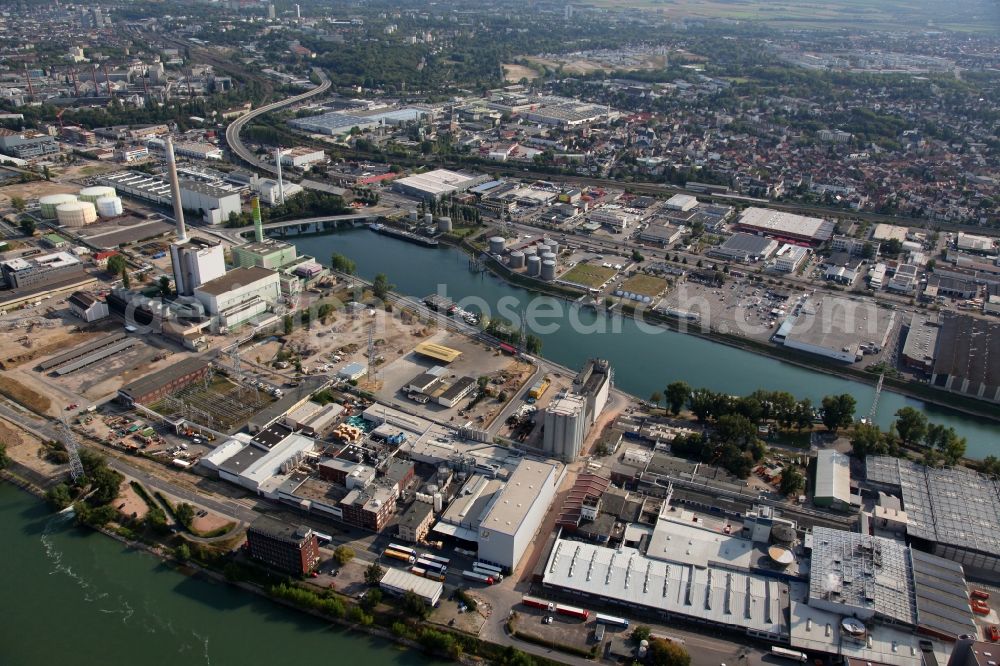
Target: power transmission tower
[73, 450]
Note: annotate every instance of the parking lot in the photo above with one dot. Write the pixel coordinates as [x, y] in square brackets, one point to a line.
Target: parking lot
[746, 309]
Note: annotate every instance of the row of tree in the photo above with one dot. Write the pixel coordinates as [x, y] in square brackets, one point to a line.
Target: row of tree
[911, 429]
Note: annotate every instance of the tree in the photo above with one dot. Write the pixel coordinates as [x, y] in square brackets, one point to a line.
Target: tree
[343, 264]
[911, 425]
[164, 286]
[803, 416]
[372, 599]
[343, 554]
[735, 429]
[677, 394]
[867, 440]
[184, 513]
[656, 398]
[381, 286]
[182, 552]
[666, 653]
[945, 442]
[4, 458]
[19, 205]
[289, 324]
[414, 605]
[27, 226]
[117, 264]
[374, 573]
[838, 411]
[59, 497]
[637, 256]
[701, 403]
[792, 481]
[640, 634]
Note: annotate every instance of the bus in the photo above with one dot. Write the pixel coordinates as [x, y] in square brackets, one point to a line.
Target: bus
[488, 569]
[436, 558]
[401, 549]
[396, 555]
[611, 620]
[789, 654]
[431, 565]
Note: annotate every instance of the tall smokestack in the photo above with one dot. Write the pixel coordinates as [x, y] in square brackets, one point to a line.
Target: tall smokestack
[175, 191]
[281, 183]
[298, 13]
[27, 75]
[258, 224]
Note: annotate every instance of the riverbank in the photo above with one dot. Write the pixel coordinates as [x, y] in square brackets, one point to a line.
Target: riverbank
[918, 391]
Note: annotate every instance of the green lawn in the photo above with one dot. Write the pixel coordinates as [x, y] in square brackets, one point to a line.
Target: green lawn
[588, 275]
[644, 285]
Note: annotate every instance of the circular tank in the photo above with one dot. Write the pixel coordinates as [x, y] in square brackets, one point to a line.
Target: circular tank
[76, 213]
[50, 202]
[853, 626]
[553, 247]
[428, 218]
[517, 259]
[444, 225]
[438, 502]
[542, 249]
[530, 251]
[92, 194]
[496, 244]
[413, 215]
[534, 266]
[548, 270]
[109, 206]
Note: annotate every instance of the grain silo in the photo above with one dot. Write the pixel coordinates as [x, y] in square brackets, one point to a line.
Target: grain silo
[50, 202]
[517, 259]
[548, 270]
[549, 256]
[444, 225]
[497, 244]
[534, 266]
[76, 213]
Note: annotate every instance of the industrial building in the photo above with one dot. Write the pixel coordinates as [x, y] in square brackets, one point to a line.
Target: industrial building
[254, 464]
[287, 548]
[517, 512]
[398, 582]
[953, 513]
[213, 202]
[745, 248]
[87, 307]
[27, 145]
[967, 357]
[340, 122]
[920, 343]
[785, 226]
[161, 383]
[240, 294]
[268, 253]
[837, 328]
[658, 231]
[437, 183]
[415, 522]
[565, 427]
[40, 271]
[302, 157]
[789, 258]
[196, 261]
[833, 480]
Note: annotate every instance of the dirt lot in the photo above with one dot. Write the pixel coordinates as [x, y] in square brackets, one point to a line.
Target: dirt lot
[515, 73]
[129, 502]
[29, 191]
[26, 449]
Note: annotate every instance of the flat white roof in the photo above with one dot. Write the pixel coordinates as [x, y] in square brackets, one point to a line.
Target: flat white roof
[677, 538]
[400, 581]
[833, 475]
[779, 222]
[518, 497]
[817, 630]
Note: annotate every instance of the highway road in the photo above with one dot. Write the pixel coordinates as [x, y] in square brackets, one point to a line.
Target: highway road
[235, 127]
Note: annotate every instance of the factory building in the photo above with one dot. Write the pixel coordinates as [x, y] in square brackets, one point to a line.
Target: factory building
[785, 226]
[302, 157]
[87, 307]
[789, 258]
[837, 328]
[41, 271]
[920, 343]
[745, 248]
[967, 357]
[27, 145]
[415, 522]
[398, 582]
[254, 465]
[240, 294]
[161, 383]
[953, 513]
[341, 122]
[213, 202]
[288, 548]
[510, 523]
[833, 480]
[268, 253]
[437, 183]
[195, 262]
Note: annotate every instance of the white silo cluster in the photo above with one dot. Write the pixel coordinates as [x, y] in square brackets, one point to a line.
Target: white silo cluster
[92, 194]
[50, 202]
[517, 259]
[497, 244]
[76, 213]
[110, 207]
[534, 266]
[630, 296]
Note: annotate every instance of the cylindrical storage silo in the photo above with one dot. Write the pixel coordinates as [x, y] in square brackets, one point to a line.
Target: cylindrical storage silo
[50, 202]
[109, 206]
[534, 266]
[438, 502]
[76, 213]
[444, 225]
[548, 256]
[530, 251]
[428, 218]
[496, 244]
[548, 270]
[541, 249]
[94, 193]
[413, 215]
[553, 247]
[517, 259]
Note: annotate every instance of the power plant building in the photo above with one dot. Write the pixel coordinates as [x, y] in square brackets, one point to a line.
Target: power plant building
[196, 261]
[240, 294]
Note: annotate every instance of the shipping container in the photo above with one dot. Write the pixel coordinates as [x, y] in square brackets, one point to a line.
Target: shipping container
[572, 611]
[600, 618]
[482, 578]
[396, 555]
[535, 602]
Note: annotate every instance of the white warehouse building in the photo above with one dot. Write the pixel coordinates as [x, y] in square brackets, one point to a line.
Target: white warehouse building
[510, 524]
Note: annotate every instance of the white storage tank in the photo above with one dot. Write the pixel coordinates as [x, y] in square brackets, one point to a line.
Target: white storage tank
[549, 256]
[444, 225]
[414, 215]
[497, 244]
[517, 259]
[109, 206]
[76, 213]
[94, 193]
[534, 266]
[50, 202]
[428, 219]
[553, 246]
[542, 249]
[548, 270]
[438, 502]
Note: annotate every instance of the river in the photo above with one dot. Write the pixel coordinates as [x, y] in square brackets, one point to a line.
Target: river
[76, 596]
[644, 360]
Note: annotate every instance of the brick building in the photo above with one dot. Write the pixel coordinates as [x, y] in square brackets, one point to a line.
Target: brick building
[288, 548]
